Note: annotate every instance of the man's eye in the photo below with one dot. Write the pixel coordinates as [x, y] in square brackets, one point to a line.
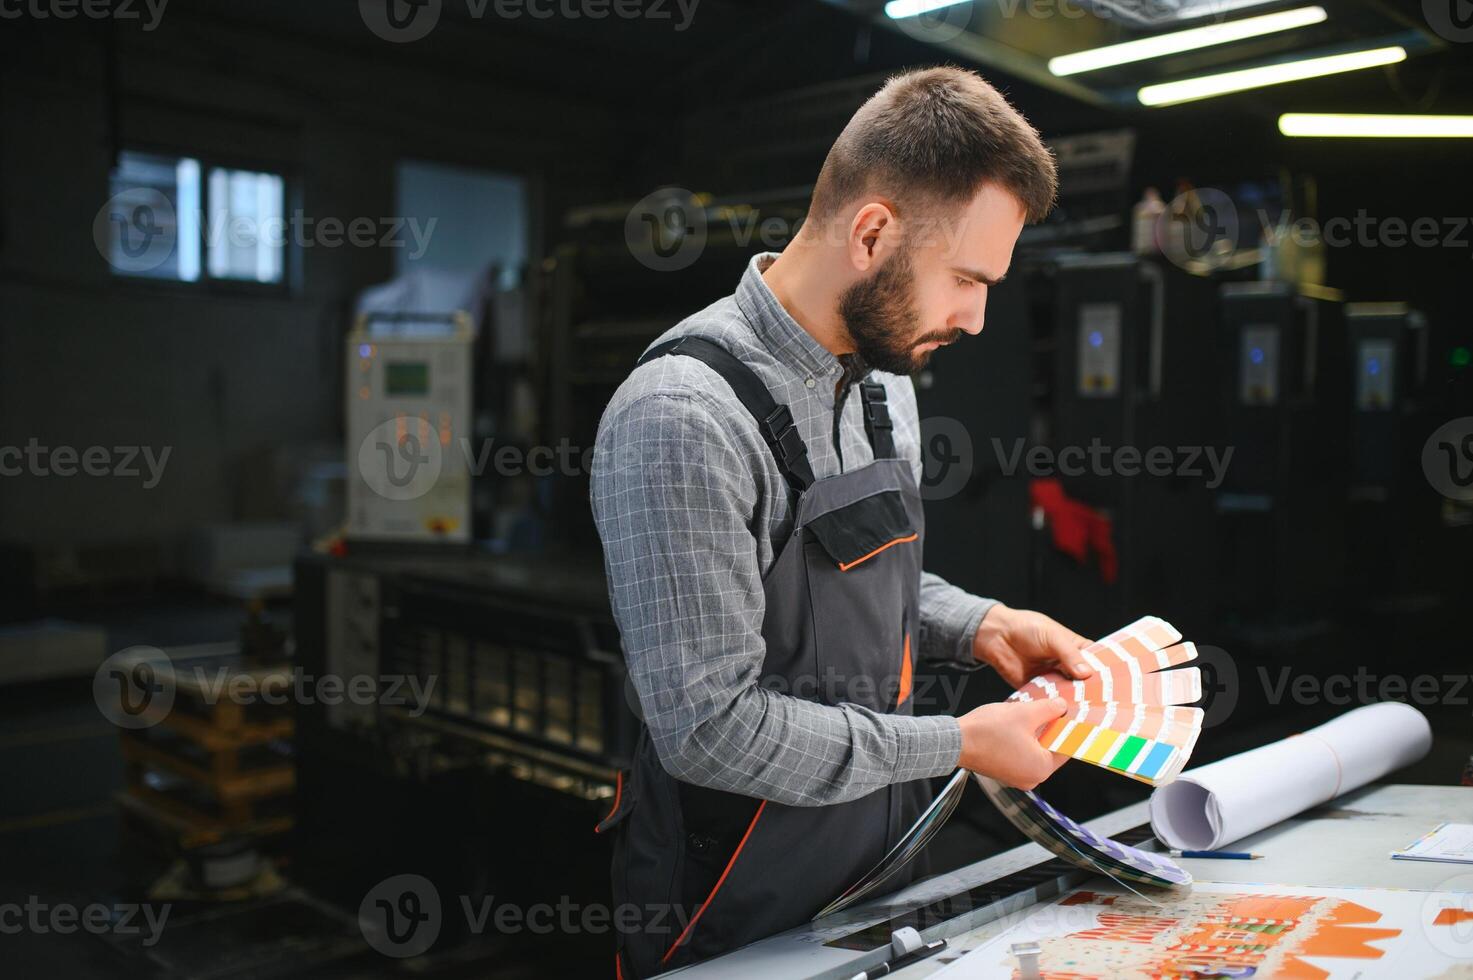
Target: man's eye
[964, 282]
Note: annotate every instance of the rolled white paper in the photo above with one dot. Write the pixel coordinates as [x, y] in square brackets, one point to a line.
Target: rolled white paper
[1227, 800]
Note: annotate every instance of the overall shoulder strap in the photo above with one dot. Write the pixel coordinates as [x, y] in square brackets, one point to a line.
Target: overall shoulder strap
[877, 419]
[774, 421]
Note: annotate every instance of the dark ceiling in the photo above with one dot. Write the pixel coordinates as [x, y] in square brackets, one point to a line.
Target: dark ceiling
[728, 50]
[1019, 36]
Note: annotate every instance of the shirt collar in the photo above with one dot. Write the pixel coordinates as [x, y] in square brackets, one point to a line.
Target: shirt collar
[775, 326]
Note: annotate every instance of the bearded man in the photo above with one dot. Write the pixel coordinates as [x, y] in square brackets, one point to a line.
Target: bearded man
[756, 490]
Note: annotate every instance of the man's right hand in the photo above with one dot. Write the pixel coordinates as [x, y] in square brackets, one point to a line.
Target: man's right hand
[1001, 740]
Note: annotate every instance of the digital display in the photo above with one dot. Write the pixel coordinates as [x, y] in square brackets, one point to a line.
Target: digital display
[406, 379]
[1099, 349]
[1374, 387]
[1258, 365]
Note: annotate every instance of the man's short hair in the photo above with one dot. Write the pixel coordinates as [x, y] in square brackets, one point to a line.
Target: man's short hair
[934, 137]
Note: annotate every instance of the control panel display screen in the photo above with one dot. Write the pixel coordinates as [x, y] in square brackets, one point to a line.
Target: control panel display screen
[1258, 365]
[406, 379]
[1375, 368]
[1099, 349]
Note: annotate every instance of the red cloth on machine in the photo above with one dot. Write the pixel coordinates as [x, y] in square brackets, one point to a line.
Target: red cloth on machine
[1076, 527]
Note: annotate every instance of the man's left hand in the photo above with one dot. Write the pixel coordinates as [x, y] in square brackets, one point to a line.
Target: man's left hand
[1021, 644]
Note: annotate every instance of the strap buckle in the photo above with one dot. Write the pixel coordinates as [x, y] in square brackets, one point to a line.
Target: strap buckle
[876, 408]
[782, 436]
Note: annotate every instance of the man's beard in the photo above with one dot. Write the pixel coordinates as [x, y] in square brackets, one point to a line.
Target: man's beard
[881, 319]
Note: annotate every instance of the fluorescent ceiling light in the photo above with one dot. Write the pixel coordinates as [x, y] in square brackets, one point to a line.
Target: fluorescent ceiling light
[1215, 8]
[1357, 124]
[1128, 9]
[897, 9]
[1151, 12]
[1206, 86]
[1188, 40]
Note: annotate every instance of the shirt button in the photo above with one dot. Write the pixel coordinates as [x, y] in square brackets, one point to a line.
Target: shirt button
[809, 382]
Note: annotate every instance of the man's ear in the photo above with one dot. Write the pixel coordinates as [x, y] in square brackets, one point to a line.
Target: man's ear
[873, 233]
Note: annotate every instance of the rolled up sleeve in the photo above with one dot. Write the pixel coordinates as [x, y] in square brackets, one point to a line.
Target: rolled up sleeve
[673, 497]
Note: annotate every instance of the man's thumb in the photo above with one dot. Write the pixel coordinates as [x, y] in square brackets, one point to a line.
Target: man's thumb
[1042, 712]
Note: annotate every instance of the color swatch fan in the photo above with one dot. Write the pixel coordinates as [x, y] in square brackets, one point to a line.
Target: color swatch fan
[1128, 717]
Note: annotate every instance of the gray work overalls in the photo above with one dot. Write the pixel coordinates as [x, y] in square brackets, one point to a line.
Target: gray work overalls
[710, 871]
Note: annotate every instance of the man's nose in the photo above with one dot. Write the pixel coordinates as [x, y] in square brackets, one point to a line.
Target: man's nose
[969, 320]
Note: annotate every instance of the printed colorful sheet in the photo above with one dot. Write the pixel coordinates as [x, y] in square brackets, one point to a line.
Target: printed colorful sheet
[1127, 717]
[1221, 929]
[1078, 844]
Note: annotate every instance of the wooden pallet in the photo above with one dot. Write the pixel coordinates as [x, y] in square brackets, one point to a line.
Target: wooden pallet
[187, 826]
[217, 737]
[198, 708]
[210, 747]
[232, 786]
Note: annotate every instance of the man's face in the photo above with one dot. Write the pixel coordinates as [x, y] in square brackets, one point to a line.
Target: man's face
[933, 287]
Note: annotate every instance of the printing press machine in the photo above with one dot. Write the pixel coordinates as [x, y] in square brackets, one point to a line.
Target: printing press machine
[519, 737]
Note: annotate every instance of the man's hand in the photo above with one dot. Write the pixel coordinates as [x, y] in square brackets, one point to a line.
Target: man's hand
[1001, 740]
[1020, 645]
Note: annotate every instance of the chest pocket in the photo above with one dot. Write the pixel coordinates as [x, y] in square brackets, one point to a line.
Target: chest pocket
[861, 531]
[863, 565]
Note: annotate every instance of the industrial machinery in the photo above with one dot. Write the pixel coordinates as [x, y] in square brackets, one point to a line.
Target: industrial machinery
[974, 400]
[475, 699]
[1124, 353]
[408, 387]
[1094, 186]
[623, 277]
[1082, 353]
[518, 655]
[1388, 359]
[1396, 546]
[1281, 505]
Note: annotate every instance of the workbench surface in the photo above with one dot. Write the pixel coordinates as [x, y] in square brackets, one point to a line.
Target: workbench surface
[1345, 843]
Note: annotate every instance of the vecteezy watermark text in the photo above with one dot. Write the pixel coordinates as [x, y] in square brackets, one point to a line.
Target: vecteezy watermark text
[1365, 687]
[1366, 230]
[402, 916]
[930, 692]
[150, 12]
[1451, 19]
[35, 459]
[1099, 459]
[405, 21]
[136, 688]
[1447, 459]
[135, 230]
[43, 918]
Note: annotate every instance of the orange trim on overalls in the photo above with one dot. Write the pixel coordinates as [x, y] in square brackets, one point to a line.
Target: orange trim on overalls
[714, 888]
[904, 673]
[845, 566]
[618, 795]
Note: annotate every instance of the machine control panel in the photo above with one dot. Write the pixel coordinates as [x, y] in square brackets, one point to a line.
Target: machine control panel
[1099, 350]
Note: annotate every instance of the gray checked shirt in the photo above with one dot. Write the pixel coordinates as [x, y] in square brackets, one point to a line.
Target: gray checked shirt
[692, 509]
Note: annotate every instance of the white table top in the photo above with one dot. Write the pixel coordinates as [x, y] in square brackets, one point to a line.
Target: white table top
[1345, 843]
